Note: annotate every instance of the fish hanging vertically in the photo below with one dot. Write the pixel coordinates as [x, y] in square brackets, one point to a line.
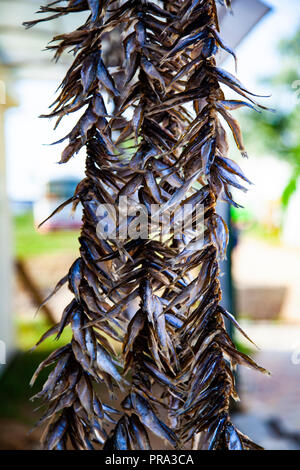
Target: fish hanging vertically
[159, 295]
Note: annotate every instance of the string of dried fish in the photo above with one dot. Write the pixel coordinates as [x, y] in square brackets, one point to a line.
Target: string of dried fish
[159, 295]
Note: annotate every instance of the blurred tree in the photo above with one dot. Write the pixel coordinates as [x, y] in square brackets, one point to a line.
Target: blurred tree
[279, 132]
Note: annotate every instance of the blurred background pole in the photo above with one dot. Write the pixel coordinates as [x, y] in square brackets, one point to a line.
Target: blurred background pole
[228, 297]
[227, 285]
[7, 336]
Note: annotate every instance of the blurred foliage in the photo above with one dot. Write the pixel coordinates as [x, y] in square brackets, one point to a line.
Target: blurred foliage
[244, 221]
[242, 216]
[278, 133]
[31, 242]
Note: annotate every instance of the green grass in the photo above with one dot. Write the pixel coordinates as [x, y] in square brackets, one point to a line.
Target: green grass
[29, 331]
[29, 242]
[15, 391]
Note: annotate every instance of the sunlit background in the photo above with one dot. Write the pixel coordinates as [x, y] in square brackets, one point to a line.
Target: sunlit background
[266, 253]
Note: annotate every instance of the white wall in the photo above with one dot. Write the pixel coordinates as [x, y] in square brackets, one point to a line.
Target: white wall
[7, 344]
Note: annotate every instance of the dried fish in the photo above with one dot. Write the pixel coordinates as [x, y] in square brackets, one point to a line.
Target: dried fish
[157, 296]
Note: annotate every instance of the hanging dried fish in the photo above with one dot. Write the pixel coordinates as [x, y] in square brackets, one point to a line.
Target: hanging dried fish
[160, 295]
